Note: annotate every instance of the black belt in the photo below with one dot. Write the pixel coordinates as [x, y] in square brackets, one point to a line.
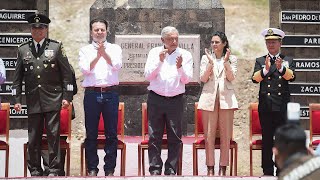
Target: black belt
[166, 97]
[102, 89]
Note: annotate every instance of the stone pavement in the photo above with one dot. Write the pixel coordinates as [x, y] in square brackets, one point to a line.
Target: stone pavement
[19, 137]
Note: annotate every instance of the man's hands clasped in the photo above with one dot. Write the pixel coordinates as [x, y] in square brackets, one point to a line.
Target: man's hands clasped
[162, 56]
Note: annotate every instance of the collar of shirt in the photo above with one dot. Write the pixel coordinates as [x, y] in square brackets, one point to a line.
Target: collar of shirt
[96, 46]
[35, 43]
[277, 55]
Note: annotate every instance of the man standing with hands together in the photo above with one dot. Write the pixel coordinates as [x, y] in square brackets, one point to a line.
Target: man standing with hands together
[273, 71]
[168, 69]
[100, 63]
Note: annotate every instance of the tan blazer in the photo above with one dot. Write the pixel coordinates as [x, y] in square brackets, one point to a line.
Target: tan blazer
[220, 81]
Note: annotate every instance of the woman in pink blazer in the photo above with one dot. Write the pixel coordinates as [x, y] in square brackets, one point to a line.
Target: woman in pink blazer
[218, 101]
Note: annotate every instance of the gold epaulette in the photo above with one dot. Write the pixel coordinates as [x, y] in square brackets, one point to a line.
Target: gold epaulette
[288, 74]
[257, 76]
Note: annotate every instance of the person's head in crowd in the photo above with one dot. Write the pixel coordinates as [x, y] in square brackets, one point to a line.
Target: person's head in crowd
[219, 43]
[170, 38]
[98, 30]
[39, 26]
[273, 37]
[289, 140]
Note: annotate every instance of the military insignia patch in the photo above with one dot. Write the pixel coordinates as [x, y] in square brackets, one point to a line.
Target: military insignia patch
[27, 57]
[270, 32]
[69, 87]
[14, 92]
[48, 53]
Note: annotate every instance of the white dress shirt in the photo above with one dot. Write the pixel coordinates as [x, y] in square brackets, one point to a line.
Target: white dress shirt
[164, 77]
[2, 72]
[103, 74]
[35, 44]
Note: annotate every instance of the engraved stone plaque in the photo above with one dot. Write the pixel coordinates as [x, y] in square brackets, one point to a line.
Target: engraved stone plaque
[135, 49]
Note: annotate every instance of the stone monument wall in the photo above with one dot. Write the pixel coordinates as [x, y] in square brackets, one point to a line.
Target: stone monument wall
[14, 30]
[300, 20]
[147, 17]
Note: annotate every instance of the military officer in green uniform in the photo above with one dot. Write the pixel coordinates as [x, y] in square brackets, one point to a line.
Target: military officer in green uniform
[45, 70]
[273, 71]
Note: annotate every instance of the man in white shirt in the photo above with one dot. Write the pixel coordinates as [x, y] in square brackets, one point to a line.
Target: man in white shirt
[100, 63]
[168, 69]
[2, 72]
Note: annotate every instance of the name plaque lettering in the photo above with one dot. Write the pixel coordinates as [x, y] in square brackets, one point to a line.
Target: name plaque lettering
[300, 17]
[6, 88]
[135, 49]
[307, 64]
[15, 16]
[14, 39]
[301, 41]
[306, 89]
[304, 112]
[10, 63]
[23, 113]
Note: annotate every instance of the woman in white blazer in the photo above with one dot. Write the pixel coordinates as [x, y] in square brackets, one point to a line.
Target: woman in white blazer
[218, 101]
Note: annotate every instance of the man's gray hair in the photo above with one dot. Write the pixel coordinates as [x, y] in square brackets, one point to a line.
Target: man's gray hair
[168, 29]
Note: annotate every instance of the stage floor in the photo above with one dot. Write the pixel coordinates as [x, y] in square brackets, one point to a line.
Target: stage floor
[19, 137]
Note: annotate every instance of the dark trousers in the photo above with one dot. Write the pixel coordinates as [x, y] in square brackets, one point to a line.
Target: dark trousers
[36, 122]
[269, 122]
[96, 103]
[164, 113]
[45, 159]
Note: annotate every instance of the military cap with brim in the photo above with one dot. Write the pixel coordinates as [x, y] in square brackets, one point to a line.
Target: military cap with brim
[272, 33]
[38, 20]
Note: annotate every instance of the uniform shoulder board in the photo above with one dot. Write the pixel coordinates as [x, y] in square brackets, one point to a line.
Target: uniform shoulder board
[24, 43]
[55, 41]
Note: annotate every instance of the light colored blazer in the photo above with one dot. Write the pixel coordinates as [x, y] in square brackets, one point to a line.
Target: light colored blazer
[220, 81]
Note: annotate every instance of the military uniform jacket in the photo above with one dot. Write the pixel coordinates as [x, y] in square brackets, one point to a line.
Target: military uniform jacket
[303, 167]
[274, 87]
[47, 76]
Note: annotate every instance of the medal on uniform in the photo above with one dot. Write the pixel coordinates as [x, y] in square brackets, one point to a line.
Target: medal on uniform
[27, 57]
[45, 65]
[31, 67]
[52, 65]
[48, 53]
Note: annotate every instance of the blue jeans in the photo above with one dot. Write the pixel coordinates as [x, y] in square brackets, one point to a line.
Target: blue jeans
[96, 103]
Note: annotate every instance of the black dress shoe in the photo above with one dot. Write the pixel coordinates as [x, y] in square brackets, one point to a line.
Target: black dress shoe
[155, 173]
[108, 173]
[92, 173]
[52, 174]
[169, 172]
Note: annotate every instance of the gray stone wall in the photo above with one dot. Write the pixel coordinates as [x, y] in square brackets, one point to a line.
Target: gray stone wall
[276, 6]
[138, 17]
[11, 51]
